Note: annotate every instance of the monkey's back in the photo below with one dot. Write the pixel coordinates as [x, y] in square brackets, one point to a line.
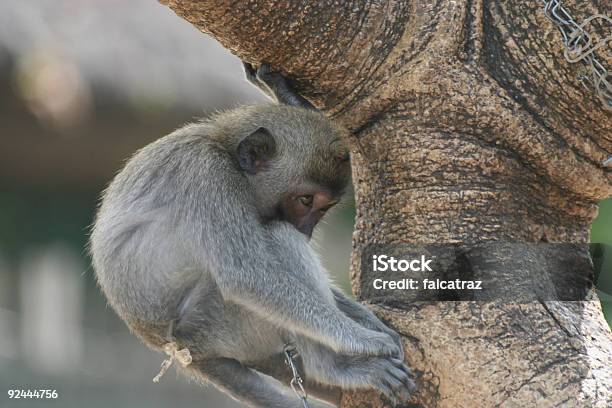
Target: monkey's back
[147, 229]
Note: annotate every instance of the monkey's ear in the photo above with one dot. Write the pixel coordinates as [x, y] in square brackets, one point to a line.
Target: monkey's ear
[255, 150]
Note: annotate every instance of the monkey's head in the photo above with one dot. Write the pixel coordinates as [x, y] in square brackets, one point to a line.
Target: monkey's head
[296, 163]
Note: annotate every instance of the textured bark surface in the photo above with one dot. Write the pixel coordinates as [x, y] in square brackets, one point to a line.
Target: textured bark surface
[467, 126]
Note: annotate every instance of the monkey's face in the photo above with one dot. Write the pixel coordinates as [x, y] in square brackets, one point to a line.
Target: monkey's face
[319, 187]
[305, 208]
[315, 185]
[297, 170]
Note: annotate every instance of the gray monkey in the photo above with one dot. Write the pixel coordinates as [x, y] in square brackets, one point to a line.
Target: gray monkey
[203, 240]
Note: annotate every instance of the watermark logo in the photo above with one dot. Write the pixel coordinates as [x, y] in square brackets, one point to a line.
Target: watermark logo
[382, 263]
[486, 271]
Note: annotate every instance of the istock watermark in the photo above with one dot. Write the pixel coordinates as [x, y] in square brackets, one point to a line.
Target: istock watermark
[382, 263]
[488, 271]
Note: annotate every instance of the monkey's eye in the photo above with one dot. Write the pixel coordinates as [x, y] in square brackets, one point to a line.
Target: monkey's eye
[305, 200]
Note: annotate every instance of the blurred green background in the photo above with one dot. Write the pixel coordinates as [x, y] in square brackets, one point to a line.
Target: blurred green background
[85, 84]
[601, 232]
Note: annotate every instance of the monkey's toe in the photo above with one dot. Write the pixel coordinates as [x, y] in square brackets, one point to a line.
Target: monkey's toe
[400, 381]
[250, 72]
[392, 378]
[264, 70]
[273, 79]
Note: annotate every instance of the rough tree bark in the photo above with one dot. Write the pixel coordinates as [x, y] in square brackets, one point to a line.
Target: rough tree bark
[467, 126]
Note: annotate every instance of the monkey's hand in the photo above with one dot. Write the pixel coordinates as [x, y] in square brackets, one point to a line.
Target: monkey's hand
[371, 343]
[365, 317]
[388, 375]
[250, 72]
[274, 85]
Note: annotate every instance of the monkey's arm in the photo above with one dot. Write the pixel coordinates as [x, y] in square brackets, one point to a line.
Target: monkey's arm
[275, 86]
[363, 316]
[279, 277]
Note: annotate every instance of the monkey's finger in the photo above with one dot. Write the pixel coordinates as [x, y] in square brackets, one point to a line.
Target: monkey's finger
[402, 365]
[412, 386]
[399, 375]
[273, 80]
[408, 371]
[406, 374]
[394, 384]
[398, 363]
[384, 388]
[409, 383]
[399, 389]
[249, 69]
[405, 393]
[408, 380]
[388, 350]
[280, 87]
[250, 72]
[264, 71]
[400, 354]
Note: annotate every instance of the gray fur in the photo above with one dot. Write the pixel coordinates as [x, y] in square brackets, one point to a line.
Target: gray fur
[182, 253]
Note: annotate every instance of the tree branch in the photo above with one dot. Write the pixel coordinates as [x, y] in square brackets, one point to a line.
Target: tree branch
[467, 126]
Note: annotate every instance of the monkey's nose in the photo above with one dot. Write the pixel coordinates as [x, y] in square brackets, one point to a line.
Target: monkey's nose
[322, 201]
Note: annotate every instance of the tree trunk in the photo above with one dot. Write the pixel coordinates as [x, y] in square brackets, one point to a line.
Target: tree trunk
[468, 126]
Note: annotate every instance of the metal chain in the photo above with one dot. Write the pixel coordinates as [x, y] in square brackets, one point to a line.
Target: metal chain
[580, 45]
[297, 384]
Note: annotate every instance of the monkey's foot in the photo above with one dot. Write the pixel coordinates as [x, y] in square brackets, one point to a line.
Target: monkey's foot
[390, 376]
[275, 85]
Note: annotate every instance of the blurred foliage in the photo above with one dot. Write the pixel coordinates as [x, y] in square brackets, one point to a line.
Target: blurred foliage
[602, 227]
[602, 232]
[39, 218]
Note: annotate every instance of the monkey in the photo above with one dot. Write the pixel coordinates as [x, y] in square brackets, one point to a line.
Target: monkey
[203, 239]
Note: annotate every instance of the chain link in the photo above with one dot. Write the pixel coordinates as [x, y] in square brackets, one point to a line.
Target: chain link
[580, 45]
[297, 384]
